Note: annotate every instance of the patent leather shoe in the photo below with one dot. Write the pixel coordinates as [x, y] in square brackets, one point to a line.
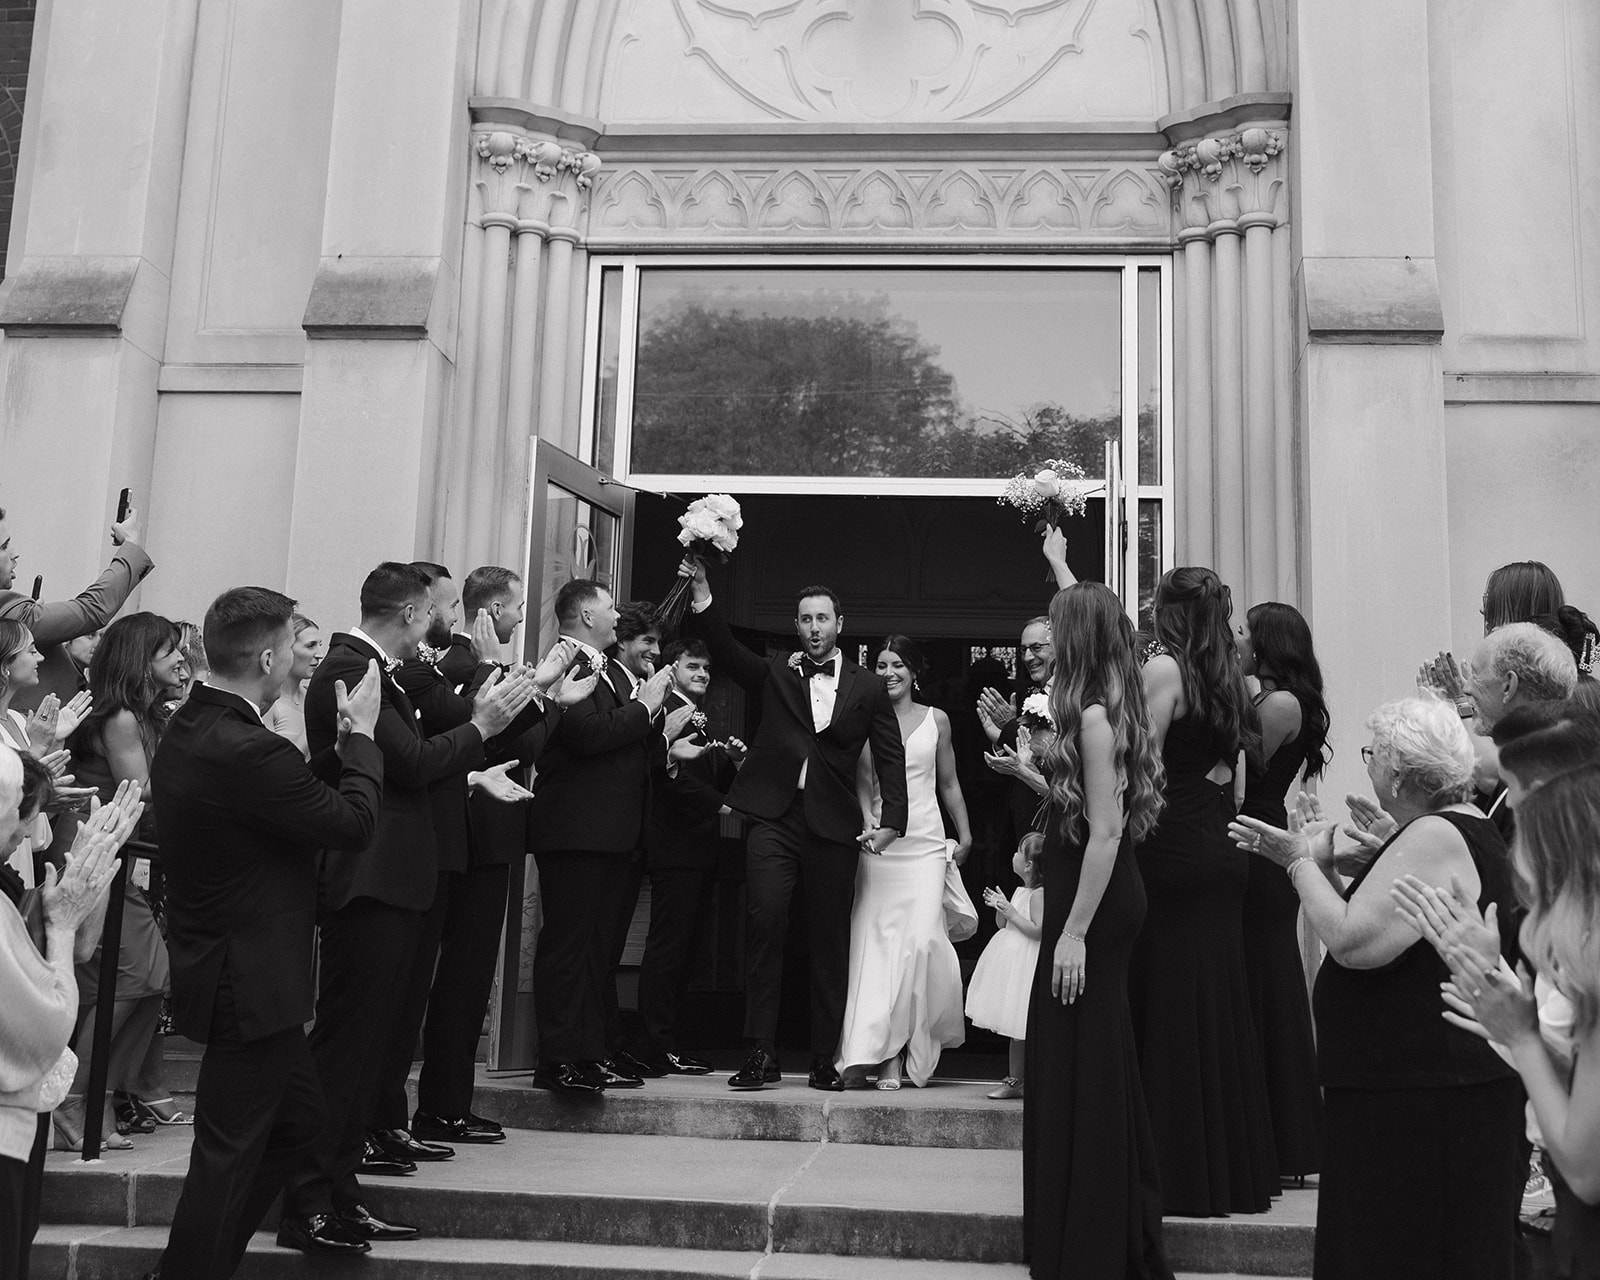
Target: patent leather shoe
[466, 1129]
[825, 1076]
[320, 1233]
[376, 1162]
[613, 1075]
[759, 1069]
[568, 1078]
[629, 1065]
[400, 1144]
[360, 1222]
[681, 1064]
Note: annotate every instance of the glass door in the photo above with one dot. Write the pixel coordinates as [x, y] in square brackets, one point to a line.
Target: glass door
[580, 526]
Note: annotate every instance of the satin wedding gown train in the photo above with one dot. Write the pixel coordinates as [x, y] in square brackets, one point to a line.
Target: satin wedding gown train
[905, 980]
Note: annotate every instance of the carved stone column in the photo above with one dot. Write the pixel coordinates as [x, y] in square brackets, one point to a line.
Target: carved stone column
[1230, 204]
[531, 191]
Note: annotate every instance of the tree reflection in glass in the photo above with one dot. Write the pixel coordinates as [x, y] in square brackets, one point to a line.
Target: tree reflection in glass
[841, 371]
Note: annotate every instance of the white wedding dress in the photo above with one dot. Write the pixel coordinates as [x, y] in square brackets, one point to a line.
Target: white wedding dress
[905, 980]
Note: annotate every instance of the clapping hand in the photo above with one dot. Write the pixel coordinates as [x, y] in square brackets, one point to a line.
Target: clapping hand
[1004, 760]
[1488, 999]
[485, 640]
[56, 764]
[553, 666]
[42, 722]
[686, 749]
[676, 719]
[73, 714]
[92, 861]
[356, 710]
[494, 783]
[995, 712]
[569, 690]
[499, 702]
[1448, 920]
[654, 690]
[1442, 676]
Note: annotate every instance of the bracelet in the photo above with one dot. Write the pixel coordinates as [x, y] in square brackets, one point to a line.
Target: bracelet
[1076, 937]
[1294, 865]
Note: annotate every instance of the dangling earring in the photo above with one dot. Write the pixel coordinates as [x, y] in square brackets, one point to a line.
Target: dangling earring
[1394, 790]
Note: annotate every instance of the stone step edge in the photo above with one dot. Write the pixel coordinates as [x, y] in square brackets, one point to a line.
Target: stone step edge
[148, 1197]
[89, 1252]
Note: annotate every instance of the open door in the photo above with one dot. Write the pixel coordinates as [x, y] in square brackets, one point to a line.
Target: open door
[580, 526]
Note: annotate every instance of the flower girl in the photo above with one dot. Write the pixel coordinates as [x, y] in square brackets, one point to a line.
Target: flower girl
[1001, 984]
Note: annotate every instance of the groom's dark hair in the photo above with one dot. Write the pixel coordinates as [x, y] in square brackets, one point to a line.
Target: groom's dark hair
[806, 593]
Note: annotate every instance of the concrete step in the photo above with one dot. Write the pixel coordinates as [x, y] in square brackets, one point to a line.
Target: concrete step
[947, 1114]
[696, 1195]
[114, 1253]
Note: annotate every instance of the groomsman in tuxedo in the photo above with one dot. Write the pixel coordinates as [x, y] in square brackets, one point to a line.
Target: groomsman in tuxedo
[689, 795]
[475, 914]
[441, 709]
[590, 809]
[372, 905]
[243, 819]
[799, 785]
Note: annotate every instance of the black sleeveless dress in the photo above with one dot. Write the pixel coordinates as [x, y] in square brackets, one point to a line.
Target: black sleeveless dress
[1191, 1004]
[1422, 1171]
[1091, 1196]
[1279, 1000]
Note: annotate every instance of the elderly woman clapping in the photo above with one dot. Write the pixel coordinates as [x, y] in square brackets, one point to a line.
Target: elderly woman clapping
[1396, 1077]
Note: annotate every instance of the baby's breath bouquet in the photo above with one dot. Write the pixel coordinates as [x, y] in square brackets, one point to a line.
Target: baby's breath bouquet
[1052, 493]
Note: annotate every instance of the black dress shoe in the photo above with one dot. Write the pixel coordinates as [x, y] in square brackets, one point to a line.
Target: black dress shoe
[759, 1069]
[613, 1075]
[468, 1129]
[360, 1222]
[402, 1146]
[568, 1078]
[681, 1064]
[625, 1062]
[320, 1233]
[377, 1162]
[825, 1076]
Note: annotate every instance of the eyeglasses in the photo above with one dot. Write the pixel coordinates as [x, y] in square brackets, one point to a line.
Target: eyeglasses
[1367, 753]
[1037, 650]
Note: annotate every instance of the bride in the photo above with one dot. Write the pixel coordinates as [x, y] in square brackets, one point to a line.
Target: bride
[905, 982]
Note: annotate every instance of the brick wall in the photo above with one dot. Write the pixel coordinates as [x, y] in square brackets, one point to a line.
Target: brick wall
[16, 40]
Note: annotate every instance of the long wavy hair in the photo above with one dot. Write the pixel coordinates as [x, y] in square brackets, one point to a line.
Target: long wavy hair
[1558, 871]
[1519, 592]
[1281, 639]
[119, 680]
[1192, 613]
[1097, 663]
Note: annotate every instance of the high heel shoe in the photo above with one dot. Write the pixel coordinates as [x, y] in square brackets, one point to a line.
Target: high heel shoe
[162, 1111]
[129, 1118]
[889, 1074]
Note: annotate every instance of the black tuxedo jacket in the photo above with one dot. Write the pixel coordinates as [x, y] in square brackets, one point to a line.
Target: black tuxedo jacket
[435, 695]
[683, 809]
[592, 790]
[242, 819]
[401, 866]
[499, 831]
[786, 738]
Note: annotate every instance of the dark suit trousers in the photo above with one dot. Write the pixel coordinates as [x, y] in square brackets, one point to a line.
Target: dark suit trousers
[627, 899]
[581, 893]
[778, 855]
[258, 1110]
[390, 1110]
[367, 947]
[462, 986]
[680, 901]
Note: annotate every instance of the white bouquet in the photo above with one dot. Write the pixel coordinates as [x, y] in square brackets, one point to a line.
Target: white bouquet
[1053, 492]
[709, 528]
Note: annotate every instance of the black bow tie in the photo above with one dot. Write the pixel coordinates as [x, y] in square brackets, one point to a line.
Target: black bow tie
[808, 668]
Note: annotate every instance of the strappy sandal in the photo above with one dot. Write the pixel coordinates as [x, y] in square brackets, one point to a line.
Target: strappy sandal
[128, 1117]
[889, 1074]
[62, 1139]
[162, 1111]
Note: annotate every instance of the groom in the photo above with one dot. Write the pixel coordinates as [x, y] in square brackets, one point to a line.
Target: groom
[798, 785]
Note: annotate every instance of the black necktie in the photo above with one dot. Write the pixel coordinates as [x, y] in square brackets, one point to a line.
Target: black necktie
[808, 668]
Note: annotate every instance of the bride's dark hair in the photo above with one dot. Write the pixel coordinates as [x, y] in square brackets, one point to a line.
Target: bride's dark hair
[909, 652]
[1097, 663]
[1191, 622]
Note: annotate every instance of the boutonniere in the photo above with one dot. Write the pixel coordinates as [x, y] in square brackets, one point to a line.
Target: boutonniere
[700, 726]
[794, 661]
[429, 654]
[391, 666]
[597, 663]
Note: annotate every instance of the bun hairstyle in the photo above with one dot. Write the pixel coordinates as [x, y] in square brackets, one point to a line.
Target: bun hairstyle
[1192, 613]
[1097, 664]
[1282, 643]
[909, 652]
[1574, 627]
[1519, 592]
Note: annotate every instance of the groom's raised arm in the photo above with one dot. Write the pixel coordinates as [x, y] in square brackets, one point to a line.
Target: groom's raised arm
[889, 759]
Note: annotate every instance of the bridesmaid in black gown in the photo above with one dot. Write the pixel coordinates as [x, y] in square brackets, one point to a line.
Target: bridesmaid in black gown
[1091, 1201]
[1275, 647]
[1191, 1005]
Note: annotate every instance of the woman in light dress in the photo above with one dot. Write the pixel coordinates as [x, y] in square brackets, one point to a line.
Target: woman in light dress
[287, 716]
[904, 1003]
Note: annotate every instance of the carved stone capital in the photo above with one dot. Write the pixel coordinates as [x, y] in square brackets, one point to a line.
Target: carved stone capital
[1225, 180]
[527, 182]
